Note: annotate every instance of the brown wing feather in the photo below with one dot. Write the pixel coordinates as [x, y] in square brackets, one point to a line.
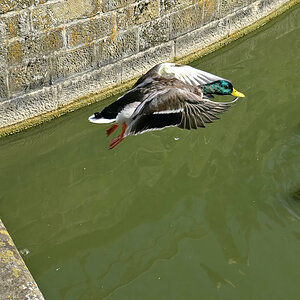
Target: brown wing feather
[203, 111]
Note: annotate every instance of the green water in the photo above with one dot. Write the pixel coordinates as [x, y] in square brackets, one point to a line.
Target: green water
[173, 214]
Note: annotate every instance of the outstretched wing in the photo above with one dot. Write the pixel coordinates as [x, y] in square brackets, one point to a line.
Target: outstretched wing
[175, 107]
[187, 74]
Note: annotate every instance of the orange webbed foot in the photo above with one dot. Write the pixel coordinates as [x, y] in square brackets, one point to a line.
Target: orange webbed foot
[111, 129]
[114, 142]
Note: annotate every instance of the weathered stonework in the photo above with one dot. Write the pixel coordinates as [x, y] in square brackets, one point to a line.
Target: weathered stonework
[32, 75]
[110, 50]
[43, 17]
[136, 14]
[9, 5]
[16, 24]
[3, 85]
[230, 6]
[186, 20]
[16, 281]
[34, 46]
[108, 5]
[55, 53]
[72, 62]
[169, 6]
[154, 33]
[142, 62]
[99, 79]
[90, 30]
[240, 18]
[38, 102]
[71, 10]
[210, 11]
[197, 39]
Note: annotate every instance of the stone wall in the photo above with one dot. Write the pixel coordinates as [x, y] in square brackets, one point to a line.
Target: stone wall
[54, 52]
[16, 282]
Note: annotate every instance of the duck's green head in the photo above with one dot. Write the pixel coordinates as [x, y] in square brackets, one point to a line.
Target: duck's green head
[221, 87]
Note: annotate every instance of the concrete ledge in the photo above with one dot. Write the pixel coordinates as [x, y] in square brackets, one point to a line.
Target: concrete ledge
[92, 86]
[16, 281]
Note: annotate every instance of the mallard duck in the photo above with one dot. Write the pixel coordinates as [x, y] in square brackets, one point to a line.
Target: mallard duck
[167, 95]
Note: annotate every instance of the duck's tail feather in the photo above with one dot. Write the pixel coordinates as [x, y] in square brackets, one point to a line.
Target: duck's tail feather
[98, 119]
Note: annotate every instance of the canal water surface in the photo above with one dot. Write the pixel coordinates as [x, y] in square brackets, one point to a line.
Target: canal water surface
[206, 214]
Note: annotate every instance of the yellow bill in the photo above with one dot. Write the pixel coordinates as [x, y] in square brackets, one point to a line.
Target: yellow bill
[235, 93]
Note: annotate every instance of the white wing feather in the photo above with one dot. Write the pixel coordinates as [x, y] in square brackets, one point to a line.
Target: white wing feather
[187, 74]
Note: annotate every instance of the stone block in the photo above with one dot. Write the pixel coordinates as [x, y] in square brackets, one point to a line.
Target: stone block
[55, 14]
[86, 84]
[138, 13]
[85, 32]
[9, 5]
[51, 41]
[72, 62]
[266, 6]
[122, 45]
[210, 11]
[169, 6]
[142, 62]
[16, 282]
[201, 38]
[154, 33]
[33, 74]
[16, 24]
[243, 18]
[107, 5]
[28, 106]
[43, 19]
[186, 20]
[145, 11]
[229, 6]
[3, 86]
[73, 88]
[35, 45]
[110, 75]
[72, 10]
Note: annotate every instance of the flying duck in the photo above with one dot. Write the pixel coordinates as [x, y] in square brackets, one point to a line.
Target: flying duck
[167, 95]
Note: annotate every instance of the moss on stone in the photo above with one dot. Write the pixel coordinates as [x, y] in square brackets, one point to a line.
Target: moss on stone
[15, 53]
[16, 281]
